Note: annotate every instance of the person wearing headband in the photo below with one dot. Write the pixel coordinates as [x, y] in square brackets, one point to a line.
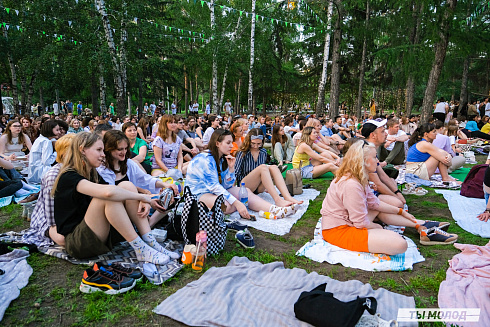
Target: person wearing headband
[252, 170]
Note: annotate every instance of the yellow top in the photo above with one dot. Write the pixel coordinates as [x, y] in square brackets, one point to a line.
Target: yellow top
[297, 157]
[486, 128]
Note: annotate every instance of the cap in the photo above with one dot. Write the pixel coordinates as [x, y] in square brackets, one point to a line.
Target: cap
[379, 122]
[371, 125]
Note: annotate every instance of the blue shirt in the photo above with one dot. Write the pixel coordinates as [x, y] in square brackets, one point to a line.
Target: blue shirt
[414, 155]
[325, 131]
[471, 126]
[202, 177]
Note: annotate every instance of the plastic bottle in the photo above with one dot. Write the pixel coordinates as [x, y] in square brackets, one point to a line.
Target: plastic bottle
[266, 215]
[243, 194]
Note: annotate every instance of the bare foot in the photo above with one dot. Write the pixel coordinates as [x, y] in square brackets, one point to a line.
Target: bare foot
[283, 203]
[293, 200]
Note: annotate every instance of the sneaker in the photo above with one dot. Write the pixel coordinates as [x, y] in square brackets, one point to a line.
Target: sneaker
[127, 272]
[435, 236]
[245, 239]
[439, 224]
[236, 226]
[283, 168]
[109, 282]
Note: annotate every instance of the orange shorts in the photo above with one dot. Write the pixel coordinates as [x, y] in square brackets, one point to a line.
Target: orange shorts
[347, 237]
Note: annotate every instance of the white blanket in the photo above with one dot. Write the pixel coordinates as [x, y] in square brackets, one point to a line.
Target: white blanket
[464, 211]
[279, 226]
[320, 251]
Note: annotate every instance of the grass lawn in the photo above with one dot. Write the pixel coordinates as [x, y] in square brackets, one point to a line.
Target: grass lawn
[54, 282]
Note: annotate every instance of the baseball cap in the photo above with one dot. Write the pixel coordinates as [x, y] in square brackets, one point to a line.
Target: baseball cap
[371, 125]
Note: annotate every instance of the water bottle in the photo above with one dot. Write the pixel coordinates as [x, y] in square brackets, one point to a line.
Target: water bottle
[243, 194]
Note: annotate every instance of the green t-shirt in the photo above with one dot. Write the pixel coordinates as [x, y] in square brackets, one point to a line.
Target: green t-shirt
[136, 149]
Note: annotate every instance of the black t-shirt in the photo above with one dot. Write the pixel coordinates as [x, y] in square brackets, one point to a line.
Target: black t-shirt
[70, 205]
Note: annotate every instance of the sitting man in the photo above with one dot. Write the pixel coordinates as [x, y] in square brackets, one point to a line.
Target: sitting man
[341, 129]
[374, 132]
[393, 151]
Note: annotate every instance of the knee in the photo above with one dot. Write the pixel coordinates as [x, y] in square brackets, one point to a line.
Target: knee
[128, 186]
[398, 246]
[264, 167]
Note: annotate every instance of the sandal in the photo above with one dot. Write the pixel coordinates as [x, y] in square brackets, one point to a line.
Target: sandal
[409, 189]
[420, 191]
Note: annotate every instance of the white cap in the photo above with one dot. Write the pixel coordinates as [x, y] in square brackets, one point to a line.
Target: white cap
[378, 122]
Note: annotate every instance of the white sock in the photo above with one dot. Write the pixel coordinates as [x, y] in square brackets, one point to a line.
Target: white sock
[280, 212]
[28, 187]
[21, 193]
[151, 241]
[147, 253]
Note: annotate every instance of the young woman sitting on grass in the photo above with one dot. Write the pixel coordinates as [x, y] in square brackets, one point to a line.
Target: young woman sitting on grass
[237, 130]
[423, 158]
[252, 170]
[212, 173]
[312, 164]
[323, 144]
[350, 208]
[282, 145]
[92, 216]
[138, 149]
[167, 147]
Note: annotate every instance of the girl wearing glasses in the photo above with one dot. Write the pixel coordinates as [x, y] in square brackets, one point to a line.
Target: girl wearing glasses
[252, 170]
[13, 141]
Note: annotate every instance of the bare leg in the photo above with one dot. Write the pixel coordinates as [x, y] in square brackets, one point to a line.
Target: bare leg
[132, 210]
[390, 199]
[57, 238]
[262, 175]
[281, 185]
[255, 202]
[324, 168]
[385, 241]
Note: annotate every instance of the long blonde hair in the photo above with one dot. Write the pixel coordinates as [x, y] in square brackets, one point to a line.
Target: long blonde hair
[353, 164]
[74, 160]
[163, 128]
[305, 135]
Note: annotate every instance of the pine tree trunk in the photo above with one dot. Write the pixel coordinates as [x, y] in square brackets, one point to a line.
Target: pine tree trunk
[23, 96]
[58, 102]
[363, 66]
[30, 93]
[250, 101]
[440, 55]
[417, 12]
[93, 93]
[216, 107]
[197, 90]
[237, 102]
[186, 104]
[320, 104]
[41, 100]
[13, 73]
[190, 87]
[119, 76]
[102, 88]
[123, 60]
[463, 96]
[335, 77]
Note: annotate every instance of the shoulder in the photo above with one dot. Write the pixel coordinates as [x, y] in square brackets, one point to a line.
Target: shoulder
[263, 151]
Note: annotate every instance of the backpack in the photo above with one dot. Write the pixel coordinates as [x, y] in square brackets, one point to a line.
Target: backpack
[473, 183]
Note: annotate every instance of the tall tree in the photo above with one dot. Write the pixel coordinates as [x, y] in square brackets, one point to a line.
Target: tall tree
[362, 66]
[320, 103]
[250, 101]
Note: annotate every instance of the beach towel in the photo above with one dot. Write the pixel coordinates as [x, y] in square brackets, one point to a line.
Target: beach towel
[467, 283]
[320, 251]
[464, 211]
[5, 201]
[279, 226]
[16, 276]
[248, 293]
[122, 253]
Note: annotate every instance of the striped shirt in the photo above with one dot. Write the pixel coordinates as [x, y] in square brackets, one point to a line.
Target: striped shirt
[245, 163]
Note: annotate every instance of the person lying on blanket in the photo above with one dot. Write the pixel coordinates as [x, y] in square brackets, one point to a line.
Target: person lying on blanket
[250, 168]
[350, 208]
[92, 216]
[118, 168]
[212, 173]
[423, 158]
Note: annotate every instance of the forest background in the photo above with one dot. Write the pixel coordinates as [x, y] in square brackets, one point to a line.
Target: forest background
[258, 54]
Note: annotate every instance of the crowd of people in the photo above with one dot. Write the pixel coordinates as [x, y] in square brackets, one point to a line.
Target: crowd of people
[67, 155]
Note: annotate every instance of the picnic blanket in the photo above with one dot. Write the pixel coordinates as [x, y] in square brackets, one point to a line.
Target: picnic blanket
[460, 174]
[122, 253]
[467, 283]
[5, 201]
[16, 276]
[464, 211]
[279, 226]
[327, 176]
[249, 293]
[319, 250]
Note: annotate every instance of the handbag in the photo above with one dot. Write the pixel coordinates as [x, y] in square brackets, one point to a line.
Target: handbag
[191, 216]
[294, 180]
[320, 308]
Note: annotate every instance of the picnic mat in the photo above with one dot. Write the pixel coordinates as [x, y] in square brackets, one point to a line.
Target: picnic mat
[249, 293]
[460, 174]
[16, 276]
[122, 253]
[319, 250]
[464, 211]
[5, 201]
[467, 283]
[327, 176]
[279, 226]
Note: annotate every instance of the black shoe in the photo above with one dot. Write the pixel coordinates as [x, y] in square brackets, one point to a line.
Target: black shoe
[127, 272]
[109, 282]
[439, 224]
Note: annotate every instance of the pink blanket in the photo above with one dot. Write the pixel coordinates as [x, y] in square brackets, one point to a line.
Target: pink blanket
[467, 283]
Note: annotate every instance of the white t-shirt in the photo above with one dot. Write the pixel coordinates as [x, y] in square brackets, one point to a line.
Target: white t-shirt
[487, 109]
[452, 139]
[441, 107]
[174, 108]
[195, 107]
[227, 106]
[207, 135]
[208, 109]
[392, 145]
[55, 108]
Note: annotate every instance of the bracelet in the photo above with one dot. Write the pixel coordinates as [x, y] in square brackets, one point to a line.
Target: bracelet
[400, 211]
[486, 210]
[397, 191]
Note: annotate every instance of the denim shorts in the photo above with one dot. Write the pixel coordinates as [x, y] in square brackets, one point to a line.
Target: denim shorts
[307, 171]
